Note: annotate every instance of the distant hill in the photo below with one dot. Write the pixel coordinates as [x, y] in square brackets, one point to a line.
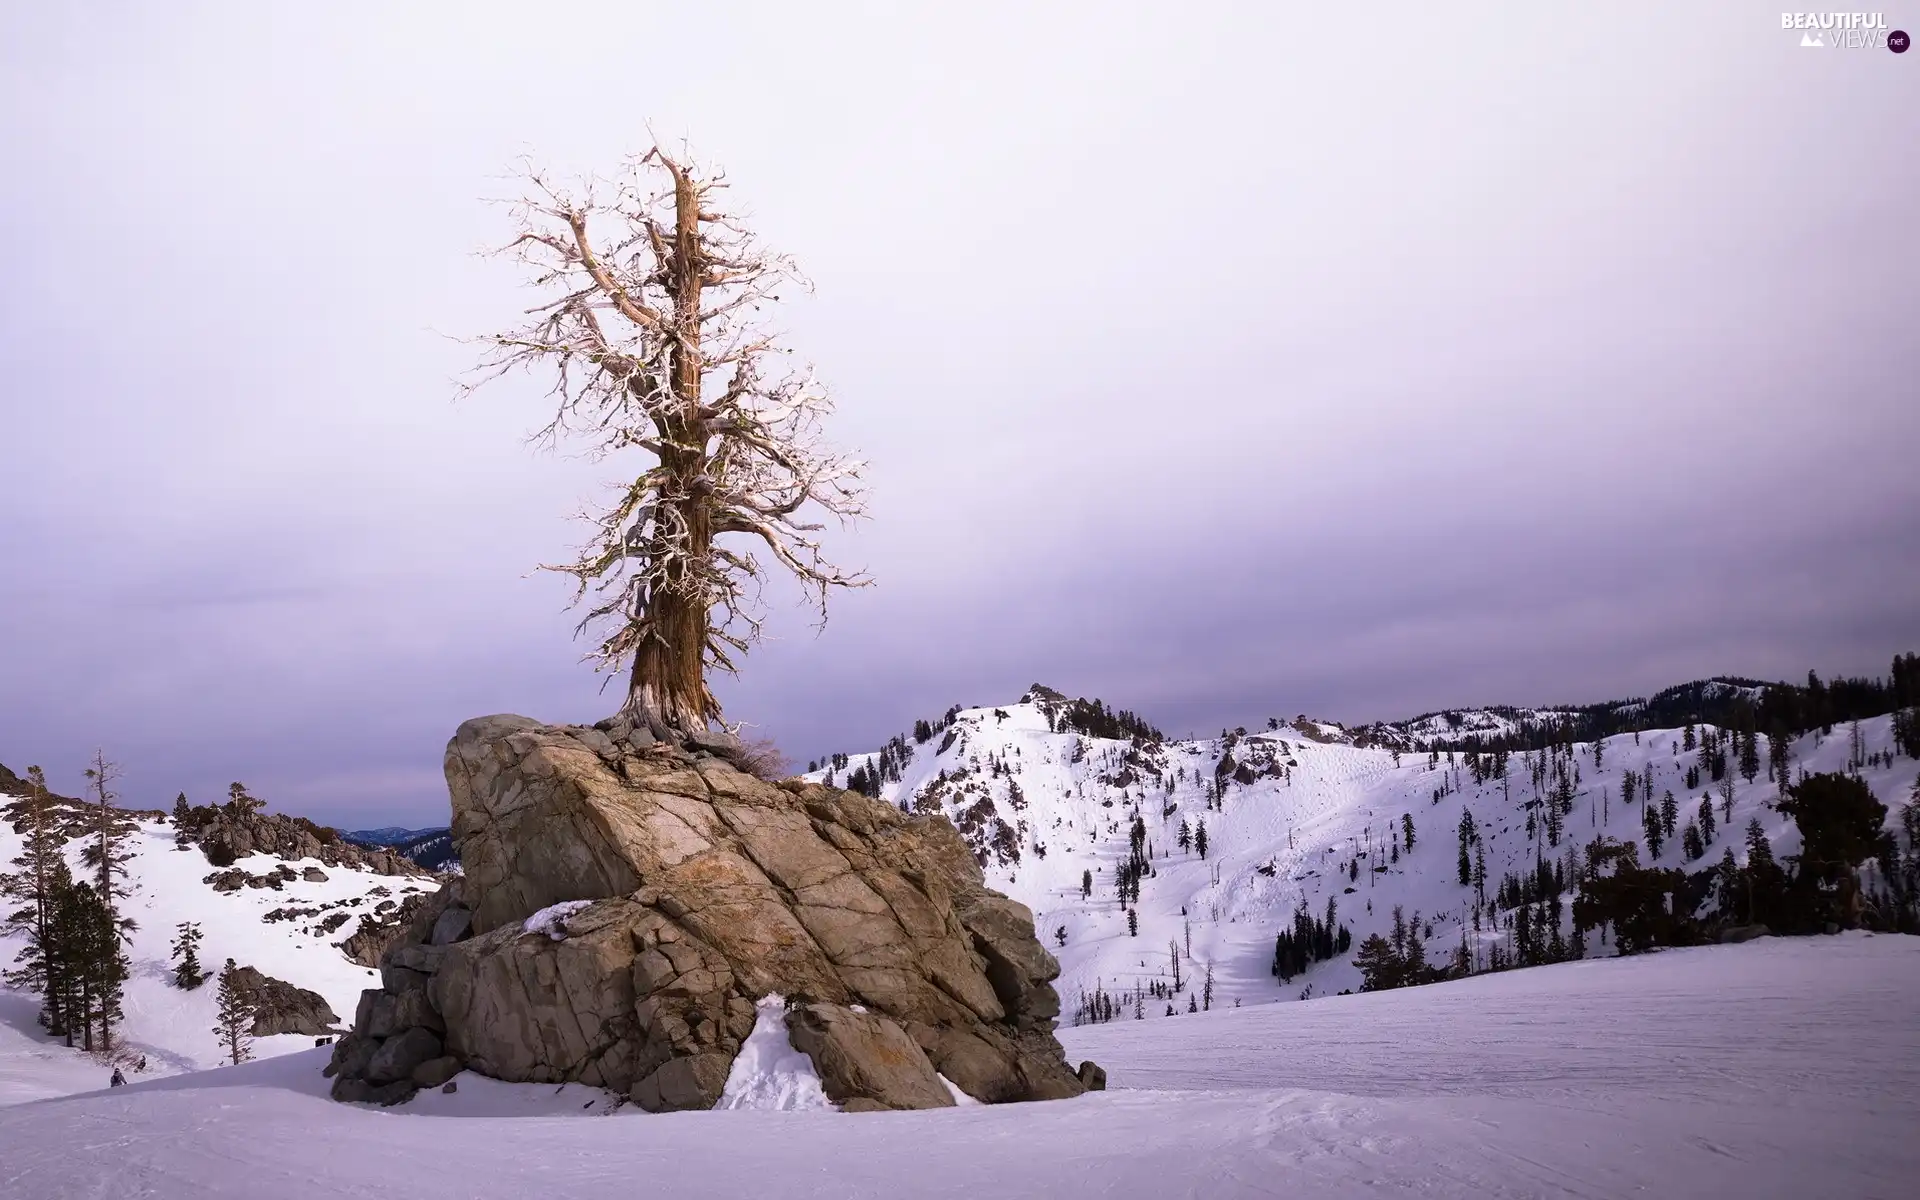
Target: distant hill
[387, 835]
[431, 847]
[1359, 828]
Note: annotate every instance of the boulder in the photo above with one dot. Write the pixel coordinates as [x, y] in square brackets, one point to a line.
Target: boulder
[424, 960]
[452, 925]
[359, 1091]
[864, 1056]
[351, 1054]
[1744, 933]
[376, 934]
[1092, 1076]
[398, 1056]
[692, 890]
[436, 1071]
[314, 875]
[280, 1007]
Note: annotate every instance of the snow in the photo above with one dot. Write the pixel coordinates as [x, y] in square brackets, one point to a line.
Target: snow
[552, 920]
[172, 1028]
[768, 1074]
[1783, 1067]
[1222, 911]
[959, 1097]
[1778, 1067]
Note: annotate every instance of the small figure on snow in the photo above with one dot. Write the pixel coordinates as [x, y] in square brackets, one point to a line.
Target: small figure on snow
[118, 1079]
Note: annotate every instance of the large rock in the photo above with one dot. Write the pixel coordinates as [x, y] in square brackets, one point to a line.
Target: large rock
[280, 1007]
[865, 1060]
[699, 890]
[397, 1057]
[371, 939]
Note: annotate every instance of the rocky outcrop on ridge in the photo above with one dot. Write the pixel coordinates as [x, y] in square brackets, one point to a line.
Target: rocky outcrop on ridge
[625, 902]
[225, 834]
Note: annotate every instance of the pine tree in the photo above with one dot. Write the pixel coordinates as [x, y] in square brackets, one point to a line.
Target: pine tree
[1133, 922]
[1206, 990]
[1706, 819]
[108, 829]
[1669, 814]
[1200, 838]
[1406, 830]
[39, 884]
[186, 969]
[1379, 965]
[235, 1016]
[1749, 754]
[1691, 843]
[1173, 956]
[1759, 848]
[1650, 824]
[1779, 755]
[1086, 883]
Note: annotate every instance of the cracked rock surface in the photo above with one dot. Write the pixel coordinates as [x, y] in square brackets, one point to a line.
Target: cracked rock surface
[705, 889]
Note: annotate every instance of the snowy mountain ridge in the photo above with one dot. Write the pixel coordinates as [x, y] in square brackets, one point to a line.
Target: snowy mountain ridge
[1304, 815]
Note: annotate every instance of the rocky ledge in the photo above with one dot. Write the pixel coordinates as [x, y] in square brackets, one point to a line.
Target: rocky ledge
[225, 834]
[626, 901]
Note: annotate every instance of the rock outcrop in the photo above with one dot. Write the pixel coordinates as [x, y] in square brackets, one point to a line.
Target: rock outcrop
[625, 902]
[379, 930]
[280, 1007]
[225, 834]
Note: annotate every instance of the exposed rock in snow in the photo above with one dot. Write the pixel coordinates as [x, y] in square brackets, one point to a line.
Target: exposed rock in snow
[280, 1007]
[749, 889]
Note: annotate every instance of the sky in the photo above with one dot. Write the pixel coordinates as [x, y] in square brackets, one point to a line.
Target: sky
[1225, 362]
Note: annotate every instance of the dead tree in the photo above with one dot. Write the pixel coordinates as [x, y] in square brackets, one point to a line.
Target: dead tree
[650, 328]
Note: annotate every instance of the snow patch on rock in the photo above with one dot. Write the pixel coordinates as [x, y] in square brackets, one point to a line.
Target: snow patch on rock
[552, 920]
[769, 1074]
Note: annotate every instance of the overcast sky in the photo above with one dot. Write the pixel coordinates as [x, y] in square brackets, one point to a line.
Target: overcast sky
[1218, 360]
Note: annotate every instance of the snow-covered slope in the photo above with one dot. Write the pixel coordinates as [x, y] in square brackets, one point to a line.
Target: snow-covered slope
[174, 1028]
[1781, 1068]
[1296, 806]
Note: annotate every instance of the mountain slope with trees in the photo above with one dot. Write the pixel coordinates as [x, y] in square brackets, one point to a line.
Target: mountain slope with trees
[1305, 858]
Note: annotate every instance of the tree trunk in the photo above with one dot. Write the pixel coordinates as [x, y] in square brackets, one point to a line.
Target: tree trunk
[669, 667]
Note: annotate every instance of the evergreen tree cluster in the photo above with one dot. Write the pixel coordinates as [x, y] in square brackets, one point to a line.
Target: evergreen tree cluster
[1094, 719]
[74, 953]
[1399, 961]
[1311, 940]
[1785, 710]
[869, 777]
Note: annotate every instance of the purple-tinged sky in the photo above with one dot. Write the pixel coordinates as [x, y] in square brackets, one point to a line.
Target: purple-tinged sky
[1222, 361]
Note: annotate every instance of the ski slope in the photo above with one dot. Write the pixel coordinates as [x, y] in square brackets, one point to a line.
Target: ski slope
[1779, 1068]
[173, 1028]
[1335, 802]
